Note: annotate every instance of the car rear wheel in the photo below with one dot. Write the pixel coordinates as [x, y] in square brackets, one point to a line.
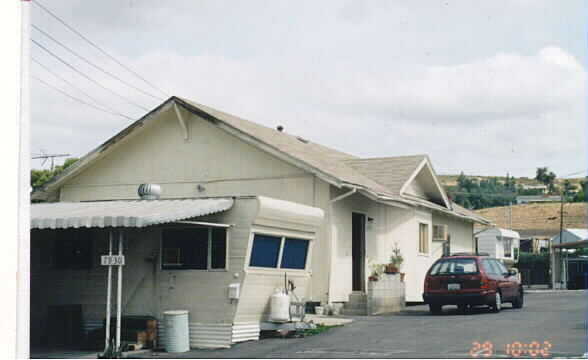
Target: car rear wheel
[517, 303]
[435, 309]
[497, 305]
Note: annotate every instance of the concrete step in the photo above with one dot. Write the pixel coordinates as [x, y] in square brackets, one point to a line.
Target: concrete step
[357, 301]
[345, 311]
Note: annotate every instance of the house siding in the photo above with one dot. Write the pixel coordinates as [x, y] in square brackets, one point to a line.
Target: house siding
[158, 153]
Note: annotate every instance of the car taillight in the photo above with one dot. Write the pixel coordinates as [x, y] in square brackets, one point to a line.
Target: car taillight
[484, 283]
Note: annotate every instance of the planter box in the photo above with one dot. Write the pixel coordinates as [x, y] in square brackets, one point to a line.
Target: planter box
[385, 295]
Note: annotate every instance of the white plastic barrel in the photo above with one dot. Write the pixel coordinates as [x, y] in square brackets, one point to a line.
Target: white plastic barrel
[280, 307]
[177, 331]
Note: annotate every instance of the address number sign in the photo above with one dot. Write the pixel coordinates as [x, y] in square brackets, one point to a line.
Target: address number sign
[117, 260]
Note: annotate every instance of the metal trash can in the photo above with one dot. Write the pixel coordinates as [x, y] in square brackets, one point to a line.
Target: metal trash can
[177, 331]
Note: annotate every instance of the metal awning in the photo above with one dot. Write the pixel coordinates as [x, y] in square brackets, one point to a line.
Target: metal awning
[571, 245]
[121, 213]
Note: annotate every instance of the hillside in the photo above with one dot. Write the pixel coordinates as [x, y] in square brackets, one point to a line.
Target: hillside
[537, 219]
[451, 180]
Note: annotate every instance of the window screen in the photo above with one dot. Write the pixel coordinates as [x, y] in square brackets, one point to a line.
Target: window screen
[73, 250]
[424, 238]
[218, 254]
[507, 247]
[294, 254]
[265, 251]
[185, 249]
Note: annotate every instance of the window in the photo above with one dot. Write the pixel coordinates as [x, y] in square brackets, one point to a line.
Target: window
[266, 251]
[73, 250]
[423, 238]
[493, 267]
[455, 267]
[507, 247]
[500, 267]
[198, 248]
[294, 254]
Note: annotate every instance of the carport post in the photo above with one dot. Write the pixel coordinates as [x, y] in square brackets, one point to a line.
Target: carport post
[119, 292]
[108, 294]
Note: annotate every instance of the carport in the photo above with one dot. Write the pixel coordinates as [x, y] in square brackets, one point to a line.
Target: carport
[75, 227]
[568, 271]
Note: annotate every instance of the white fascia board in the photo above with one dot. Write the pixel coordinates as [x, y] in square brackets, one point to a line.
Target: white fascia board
[427, 163]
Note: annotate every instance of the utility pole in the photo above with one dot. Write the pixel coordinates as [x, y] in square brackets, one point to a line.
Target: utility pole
[510, 215]
[561, 224]
[23, 295]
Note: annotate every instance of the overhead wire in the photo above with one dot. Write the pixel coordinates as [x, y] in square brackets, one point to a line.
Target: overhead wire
[94, 65]
[78, 99]
[46, 68]
[71, 28]
[86, 76]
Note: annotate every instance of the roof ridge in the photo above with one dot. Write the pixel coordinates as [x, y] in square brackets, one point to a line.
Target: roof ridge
[393, 157]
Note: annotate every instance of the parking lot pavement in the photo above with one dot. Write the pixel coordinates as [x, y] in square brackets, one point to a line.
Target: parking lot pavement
[558, 318]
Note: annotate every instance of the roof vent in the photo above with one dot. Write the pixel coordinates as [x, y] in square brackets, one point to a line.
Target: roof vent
[280, 128]
[149, 191]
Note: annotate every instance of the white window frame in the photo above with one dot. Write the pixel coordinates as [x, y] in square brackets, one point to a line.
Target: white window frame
[208, 255]
[427, 240]
[282, 237]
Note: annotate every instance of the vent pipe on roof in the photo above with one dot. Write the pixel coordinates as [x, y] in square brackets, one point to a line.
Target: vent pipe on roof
[149, 191]
[280, 128]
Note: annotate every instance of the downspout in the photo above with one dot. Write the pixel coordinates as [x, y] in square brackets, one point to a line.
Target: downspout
[332, 236]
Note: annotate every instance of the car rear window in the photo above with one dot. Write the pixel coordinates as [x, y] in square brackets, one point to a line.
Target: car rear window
[455, 267]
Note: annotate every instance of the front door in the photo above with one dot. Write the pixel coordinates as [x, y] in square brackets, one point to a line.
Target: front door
[358, 252]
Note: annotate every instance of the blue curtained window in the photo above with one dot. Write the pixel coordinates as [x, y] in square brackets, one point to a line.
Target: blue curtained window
[294, 254]
[265, 251]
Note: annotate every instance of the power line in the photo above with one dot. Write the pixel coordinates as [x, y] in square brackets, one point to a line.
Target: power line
[94, 65]
[78, 99]
[36, 2]
[96, 102]
[576, 173]
[86, 76]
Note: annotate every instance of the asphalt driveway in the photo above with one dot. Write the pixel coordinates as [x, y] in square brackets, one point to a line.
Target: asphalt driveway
[556, 317]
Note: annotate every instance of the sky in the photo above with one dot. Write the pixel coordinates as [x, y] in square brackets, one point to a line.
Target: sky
[483, 87]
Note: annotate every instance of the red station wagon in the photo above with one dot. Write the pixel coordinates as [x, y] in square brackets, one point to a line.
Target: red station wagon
[469, 280]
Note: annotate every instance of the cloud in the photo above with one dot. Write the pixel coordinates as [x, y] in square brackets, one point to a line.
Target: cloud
[484, 113]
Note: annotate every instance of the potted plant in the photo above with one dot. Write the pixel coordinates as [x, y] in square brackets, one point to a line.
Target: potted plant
[377, 269]
[396, 260]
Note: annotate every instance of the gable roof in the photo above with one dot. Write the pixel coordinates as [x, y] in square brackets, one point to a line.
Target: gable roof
[392, 172]
[323, 159]
[335, 167]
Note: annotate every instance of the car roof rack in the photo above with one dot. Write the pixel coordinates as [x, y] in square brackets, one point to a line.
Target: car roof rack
[469, 254]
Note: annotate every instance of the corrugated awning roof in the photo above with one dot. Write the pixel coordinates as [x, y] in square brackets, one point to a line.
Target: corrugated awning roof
[133, 213]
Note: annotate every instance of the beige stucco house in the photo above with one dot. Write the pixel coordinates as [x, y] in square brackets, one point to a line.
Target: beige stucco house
[352, 211]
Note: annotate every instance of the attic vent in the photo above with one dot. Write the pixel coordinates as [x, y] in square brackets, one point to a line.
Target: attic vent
[149, 191]
[302, 139]
[280, 128]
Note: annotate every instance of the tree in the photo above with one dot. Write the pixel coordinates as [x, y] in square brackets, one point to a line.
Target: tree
[40, 177]
[581, 195]
[546, 177]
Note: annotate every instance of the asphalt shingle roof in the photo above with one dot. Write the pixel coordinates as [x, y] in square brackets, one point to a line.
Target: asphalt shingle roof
[392, 172]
